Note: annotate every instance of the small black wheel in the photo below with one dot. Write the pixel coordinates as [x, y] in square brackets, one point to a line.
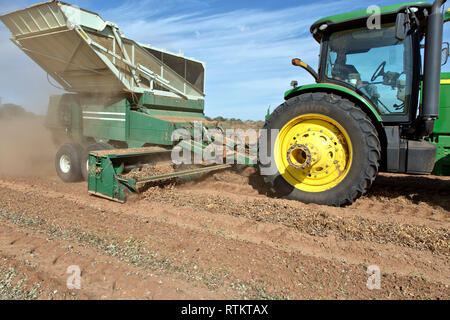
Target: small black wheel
[85, 156]
[67, 162]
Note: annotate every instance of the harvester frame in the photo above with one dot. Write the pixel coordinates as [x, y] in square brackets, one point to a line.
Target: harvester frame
[123, 94]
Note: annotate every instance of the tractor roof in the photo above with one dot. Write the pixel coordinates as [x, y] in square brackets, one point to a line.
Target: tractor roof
[354, 18]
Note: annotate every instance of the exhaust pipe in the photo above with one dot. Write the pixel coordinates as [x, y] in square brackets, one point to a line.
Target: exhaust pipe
[432, 67]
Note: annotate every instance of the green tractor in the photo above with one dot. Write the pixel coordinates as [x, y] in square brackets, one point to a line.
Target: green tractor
[373, 107]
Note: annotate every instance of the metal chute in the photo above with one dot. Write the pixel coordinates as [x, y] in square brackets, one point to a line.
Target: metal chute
[85, 53]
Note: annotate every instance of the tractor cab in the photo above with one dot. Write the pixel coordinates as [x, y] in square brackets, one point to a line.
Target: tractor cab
[377, 57]
[377, 66]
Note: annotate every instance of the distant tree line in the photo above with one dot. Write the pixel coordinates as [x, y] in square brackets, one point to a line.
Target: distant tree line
[10, 110]
[234, 123]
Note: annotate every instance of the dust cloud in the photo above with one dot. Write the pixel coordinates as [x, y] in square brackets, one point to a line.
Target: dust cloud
[26, 147]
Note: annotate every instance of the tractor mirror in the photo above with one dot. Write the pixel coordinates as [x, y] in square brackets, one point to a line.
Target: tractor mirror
[445, 53]
[401, 26]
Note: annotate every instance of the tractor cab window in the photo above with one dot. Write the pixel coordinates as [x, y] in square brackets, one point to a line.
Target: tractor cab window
[376, 64]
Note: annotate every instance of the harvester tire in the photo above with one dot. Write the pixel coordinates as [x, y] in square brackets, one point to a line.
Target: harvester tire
[67, 162]
[337, 143]
[85, 156]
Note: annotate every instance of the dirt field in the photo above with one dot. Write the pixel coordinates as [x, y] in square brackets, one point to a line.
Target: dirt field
[217, 238]
[220, 239]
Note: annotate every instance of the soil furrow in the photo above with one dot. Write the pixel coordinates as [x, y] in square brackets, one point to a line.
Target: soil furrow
[239, 268]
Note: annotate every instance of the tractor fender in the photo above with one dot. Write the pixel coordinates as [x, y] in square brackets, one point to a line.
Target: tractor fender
[351, 95]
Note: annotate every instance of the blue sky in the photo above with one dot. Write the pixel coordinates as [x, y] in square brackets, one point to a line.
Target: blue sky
[247, 47]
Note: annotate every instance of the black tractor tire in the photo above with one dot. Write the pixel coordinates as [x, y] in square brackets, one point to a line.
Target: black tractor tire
[361, 131]
[85, 156]
[67, 162]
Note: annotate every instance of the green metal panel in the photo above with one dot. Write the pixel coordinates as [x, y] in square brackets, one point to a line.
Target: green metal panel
[447, 16]
[64, 116]
[177, 116]
[77, 125]
[155, 125]
[105, 172]
[104, 119]
[335, 88]
[104, 122]
[102, 179]
[441, 134]
[442, 125]
[442, 165]
[52, 119]
[154, 101]
[147, 129]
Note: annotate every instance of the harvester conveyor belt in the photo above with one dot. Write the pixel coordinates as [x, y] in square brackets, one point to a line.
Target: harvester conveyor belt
[107, 178]
[179, 174]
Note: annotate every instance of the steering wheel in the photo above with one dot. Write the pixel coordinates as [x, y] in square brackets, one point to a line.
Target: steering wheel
[379, 72]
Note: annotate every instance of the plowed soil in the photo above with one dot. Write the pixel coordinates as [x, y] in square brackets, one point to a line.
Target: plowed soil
[223, 237]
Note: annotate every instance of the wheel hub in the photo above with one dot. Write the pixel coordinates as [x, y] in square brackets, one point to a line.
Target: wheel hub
[299, 156]
[65, 163]
[317, 153]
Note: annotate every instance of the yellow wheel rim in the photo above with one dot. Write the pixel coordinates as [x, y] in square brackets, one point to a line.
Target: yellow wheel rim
[313, 153]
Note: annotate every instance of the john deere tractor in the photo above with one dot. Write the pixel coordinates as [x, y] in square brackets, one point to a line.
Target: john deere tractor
[380, 103]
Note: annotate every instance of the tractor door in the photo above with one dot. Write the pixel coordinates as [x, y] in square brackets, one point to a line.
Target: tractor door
[377, 66]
